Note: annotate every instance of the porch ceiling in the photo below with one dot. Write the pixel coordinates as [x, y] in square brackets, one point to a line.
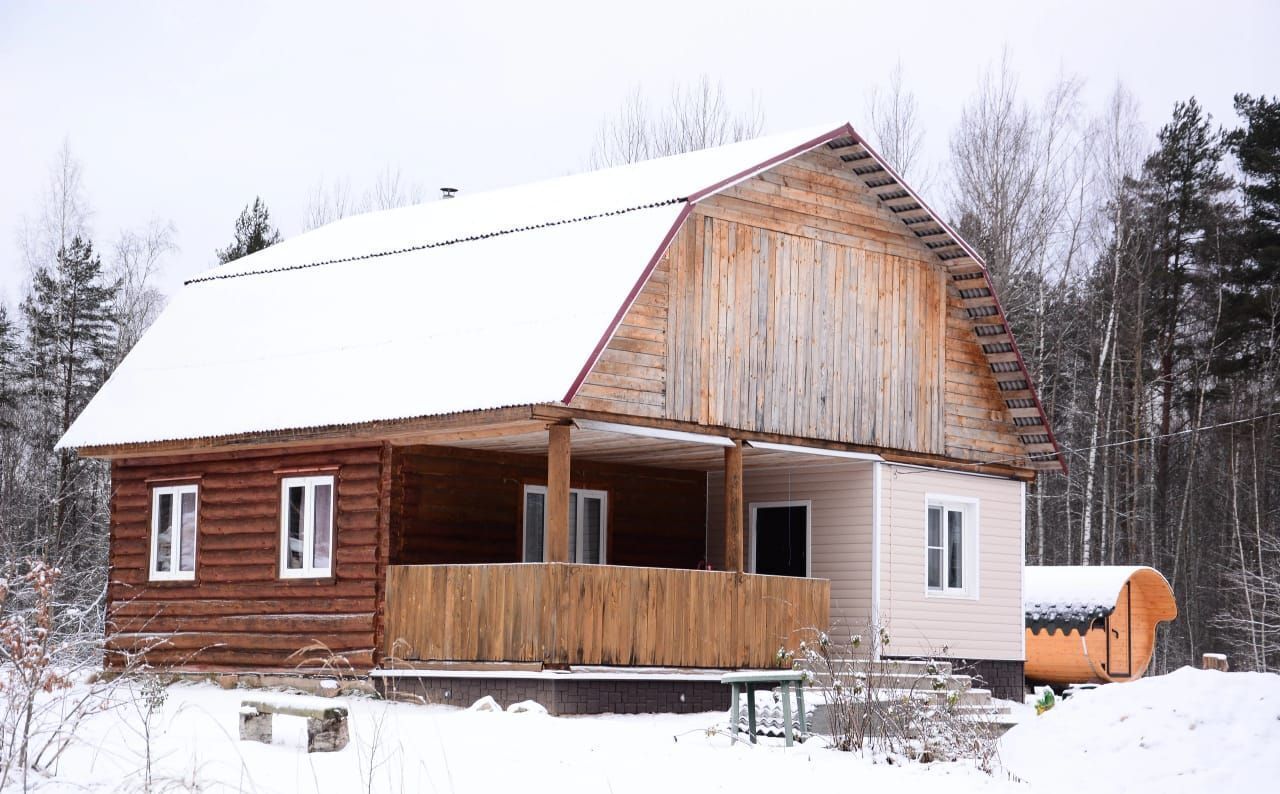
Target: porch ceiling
[609, 447]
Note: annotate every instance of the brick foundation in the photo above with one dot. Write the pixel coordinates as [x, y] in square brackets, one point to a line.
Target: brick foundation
[568, 695]
[1003, 678]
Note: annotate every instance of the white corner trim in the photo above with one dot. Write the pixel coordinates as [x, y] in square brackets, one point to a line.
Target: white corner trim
[830, 453]
[876, 471]
[1022, 565]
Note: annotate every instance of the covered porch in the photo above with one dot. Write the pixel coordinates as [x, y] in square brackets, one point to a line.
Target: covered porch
[557, 543]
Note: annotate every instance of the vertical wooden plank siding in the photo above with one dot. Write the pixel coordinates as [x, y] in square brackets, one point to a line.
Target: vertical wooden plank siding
[792, 303]
[780, 355]
[558, 613]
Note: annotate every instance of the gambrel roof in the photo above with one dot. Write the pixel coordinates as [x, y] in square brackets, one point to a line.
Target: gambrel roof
[483, 301]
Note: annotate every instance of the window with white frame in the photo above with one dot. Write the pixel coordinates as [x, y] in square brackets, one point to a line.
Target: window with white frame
[306, 527]
[951, 539]
[173, 532]
[588, 516]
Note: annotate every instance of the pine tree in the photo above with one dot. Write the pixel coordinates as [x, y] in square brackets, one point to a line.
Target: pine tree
[253, 232]
[1256, 281]
[70, 339]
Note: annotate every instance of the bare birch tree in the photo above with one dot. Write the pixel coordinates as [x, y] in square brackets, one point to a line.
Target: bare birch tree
[697, 115]
[135, 265]
[894, 113]
[333, 201]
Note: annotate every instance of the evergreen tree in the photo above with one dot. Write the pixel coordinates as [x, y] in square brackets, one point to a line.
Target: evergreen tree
[1256, 281]
[253, 232]
[70, 338]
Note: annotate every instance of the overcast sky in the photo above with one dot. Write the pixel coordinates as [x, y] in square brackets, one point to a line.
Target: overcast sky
[186, 111]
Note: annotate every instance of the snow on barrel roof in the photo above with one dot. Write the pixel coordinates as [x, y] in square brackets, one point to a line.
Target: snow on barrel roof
[1070, 597]
[482, 301]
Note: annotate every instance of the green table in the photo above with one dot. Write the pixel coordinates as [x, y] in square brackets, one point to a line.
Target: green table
[786, 680]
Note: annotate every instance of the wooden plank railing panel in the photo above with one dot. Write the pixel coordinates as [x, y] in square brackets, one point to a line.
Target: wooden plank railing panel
[558, 613]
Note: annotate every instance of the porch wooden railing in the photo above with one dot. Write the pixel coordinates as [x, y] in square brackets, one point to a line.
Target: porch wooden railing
[558, 613]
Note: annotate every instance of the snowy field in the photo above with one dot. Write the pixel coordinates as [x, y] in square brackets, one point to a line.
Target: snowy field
[1189, 731]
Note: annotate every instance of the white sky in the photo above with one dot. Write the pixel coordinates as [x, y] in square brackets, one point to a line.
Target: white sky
[186, 112]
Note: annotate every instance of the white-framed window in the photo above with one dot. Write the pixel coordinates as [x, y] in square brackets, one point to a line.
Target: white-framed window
[588, 525]
[306, 527]
[781, 540]
[173, 532]
[951, 546]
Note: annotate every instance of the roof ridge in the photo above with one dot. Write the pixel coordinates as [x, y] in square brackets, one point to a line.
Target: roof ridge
[437, 244]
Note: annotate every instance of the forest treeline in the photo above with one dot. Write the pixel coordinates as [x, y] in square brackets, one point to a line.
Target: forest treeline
[1140, 271]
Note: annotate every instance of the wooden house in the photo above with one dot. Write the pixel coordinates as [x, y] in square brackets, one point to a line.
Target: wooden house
[1093, 623]
[547, 440]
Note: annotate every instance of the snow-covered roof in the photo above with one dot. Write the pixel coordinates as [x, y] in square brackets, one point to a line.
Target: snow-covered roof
[1070, 597]
[482, 301]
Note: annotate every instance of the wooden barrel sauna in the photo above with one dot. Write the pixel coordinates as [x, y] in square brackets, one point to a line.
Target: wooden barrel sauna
[1093, 623]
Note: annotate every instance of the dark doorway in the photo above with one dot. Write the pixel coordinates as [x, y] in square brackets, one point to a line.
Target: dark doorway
[781, 540]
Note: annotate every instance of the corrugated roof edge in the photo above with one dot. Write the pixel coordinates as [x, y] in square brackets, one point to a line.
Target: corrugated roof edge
[436, 244]
[256, 436]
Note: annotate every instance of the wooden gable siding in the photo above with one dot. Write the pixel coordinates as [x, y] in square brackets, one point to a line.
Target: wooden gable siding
[238, 613]
[786, 334]
[978, 425]
[795, 304]
[631, 373]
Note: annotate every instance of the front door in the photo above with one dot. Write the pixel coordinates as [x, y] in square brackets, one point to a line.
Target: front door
[1120, 638]
[780, 539]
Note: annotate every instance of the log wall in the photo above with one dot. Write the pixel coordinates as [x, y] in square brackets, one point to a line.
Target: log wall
[453, 505]
[561, 614]
[238, 613]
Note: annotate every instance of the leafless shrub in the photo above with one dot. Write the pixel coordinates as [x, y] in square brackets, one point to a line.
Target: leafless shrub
[869, 707]
[41, 661]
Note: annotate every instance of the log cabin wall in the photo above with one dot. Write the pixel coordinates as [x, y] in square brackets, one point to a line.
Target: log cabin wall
[238, 613]
[792, 303]
[453, 506]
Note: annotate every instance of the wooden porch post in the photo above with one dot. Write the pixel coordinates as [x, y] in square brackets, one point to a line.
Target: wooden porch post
[557, 493]
[733, 507]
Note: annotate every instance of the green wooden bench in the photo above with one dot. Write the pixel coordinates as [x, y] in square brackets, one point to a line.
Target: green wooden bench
[785, 680]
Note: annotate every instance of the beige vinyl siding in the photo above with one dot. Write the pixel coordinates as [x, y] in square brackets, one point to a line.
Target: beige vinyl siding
[841, 525]
[989, 626]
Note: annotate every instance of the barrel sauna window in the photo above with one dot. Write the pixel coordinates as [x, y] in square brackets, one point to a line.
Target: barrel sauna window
[588, 525]
[306, 527]
[951, 544]
[173, 532]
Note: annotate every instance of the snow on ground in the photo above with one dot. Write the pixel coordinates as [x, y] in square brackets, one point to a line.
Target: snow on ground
[1188, 731]
[397, 747]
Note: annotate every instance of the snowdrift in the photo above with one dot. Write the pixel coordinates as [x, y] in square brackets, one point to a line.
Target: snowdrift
[1189, 731]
